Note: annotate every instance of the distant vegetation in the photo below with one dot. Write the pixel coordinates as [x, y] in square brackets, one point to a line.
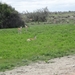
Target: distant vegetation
[44, 15]
[39, 15]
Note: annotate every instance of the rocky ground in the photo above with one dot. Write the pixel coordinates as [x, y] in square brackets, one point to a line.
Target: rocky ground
[58, 66]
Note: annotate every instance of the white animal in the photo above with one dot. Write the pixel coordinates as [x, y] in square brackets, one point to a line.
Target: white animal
[26, 27]
[30, 39]
[19, 29]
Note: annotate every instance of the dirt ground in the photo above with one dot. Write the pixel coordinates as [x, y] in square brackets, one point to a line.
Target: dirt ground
[58, 66]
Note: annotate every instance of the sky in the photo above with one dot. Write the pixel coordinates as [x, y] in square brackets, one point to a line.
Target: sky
[33, 5]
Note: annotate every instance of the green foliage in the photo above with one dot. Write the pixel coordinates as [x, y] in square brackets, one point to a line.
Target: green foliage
[9, 17]
[52, 41]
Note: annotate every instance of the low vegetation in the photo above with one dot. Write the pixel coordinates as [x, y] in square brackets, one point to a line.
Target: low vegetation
[51, 41]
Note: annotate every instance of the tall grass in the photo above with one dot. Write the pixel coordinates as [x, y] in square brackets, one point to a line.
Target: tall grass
[52, 41]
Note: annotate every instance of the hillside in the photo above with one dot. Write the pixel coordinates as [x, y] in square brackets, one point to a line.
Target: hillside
[61, 17]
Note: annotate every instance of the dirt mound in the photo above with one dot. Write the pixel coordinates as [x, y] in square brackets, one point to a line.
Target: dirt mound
[58, 66]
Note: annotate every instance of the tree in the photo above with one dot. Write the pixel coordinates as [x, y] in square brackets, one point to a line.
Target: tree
[39, 15]
[9, 17]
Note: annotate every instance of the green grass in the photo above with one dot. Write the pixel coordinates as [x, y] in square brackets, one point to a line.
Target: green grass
[52, 41]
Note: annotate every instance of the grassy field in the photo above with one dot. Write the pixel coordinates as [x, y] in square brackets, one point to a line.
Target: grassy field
[52, 41]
